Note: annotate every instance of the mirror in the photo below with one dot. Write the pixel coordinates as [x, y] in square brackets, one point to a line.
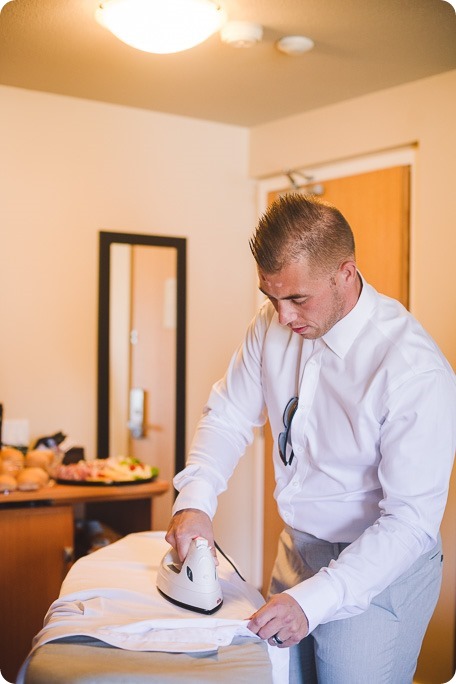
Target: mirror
[142, 352]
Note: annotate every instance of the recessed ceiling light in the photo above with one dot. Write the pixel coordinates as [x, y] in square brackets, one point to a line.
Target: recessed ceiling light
[295, 45]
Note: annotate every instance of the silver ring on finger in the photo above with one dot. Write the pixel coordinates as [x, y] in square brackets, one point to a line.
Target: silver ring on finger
[276, 640]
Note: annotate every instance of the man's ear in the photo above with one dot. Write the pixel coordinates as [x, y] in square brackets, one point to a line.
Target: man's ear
[348, 272]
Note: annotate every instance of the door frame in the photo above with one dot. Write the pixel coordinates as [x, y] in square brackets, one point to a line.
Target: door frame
[106, 238]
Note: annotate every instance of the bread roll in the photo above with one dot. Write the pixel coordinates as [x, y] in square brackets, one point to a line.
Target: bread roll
[7, 483]
[11, 460]
[39, 458]
[32, 478]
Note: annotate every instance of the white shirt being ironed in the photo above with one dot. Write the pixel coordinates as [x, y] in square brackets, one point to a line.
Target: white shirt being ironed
[374, 437]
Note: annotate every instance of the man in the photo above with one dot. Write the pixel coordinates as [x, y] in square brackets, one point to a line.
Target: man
[362, 406]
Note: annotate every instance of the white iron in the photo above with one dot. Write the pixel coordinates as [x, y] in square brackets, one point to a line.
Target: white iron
[193, 584]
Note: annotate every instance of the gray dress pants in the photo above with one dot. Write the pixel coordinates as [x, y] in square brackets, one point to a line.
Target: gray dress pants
[379, 646]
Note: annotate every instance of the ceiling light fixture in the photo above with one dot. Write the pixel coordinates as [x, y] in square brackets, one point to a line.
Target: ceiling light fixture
[295, 45]
[241, 34]
[161, 26]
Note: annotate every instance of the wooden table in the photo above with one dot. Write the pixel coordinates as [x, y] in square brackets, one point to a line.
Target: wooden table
[37, 541]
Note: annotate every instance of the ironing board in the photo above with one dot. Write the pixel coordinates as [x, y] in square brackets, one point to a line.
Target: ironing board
[111, 625]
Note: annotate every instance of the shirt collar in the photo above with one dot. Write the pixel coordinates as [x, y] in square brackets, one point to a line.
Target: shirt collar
[342, 335]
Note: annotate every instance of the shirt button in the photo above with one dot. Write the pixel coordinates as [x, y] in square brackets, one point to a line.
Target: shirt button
[295, 483]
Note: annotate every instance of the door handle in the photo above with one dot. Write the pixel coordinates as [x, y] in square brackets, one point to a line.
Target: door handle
[136, 422]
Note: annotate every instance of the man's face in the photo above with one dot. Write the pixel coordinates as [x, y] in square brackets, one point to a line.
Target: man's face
[308, 303]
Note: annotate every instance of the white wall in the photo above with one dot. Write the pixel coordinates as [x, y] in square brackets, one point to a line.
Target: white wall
[70, 168]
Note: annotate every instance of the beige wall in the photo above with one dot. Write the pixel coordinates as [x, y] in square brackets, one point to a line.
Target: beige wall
[423, 112]
[69, 168]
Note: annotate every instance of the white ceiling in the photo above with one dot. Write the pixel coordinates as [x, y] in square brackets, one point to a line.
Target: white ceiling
[361, 46]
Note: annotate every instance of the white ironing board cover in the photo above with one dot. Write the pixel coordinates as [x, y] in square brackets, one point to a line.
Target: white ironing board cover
[111, 595]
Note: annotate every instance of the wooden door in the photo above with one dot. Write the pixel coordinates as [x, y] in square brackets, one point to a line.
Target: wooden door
[376, 205]
[152, 359]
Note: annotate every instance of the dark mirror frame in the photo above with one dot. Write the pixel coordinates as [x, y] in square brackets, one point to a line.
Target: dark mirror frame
[106, 239]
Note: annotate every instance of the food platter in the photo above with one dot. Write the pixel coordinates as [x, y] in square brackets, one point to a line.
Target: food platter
[110, 472]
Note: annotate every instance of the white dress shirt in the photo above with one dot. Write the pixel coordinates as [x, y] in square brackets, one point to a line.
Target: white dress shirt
[374, 437]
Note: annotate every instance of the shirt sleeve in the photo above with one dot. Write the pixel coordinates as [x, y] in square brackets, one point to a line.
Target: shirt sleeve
[417, 445]
[234, 409]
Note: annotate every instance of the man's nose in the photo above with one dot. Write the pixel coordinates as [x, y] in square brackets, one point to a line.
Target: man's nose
[285, 312]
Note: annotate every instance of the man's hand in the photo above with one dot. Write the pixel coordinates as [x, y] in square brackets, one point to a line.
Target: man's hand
[283, 617]
[187, 524]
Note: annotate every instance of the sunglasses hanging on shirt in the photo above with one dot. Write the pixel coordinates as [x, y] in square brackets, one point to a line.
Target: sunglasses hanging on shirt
[284, 440]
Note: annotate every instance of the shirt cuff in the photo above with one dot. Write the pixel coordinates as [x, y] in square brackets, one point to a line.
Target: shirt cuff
[317, 597]
[197, 494]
